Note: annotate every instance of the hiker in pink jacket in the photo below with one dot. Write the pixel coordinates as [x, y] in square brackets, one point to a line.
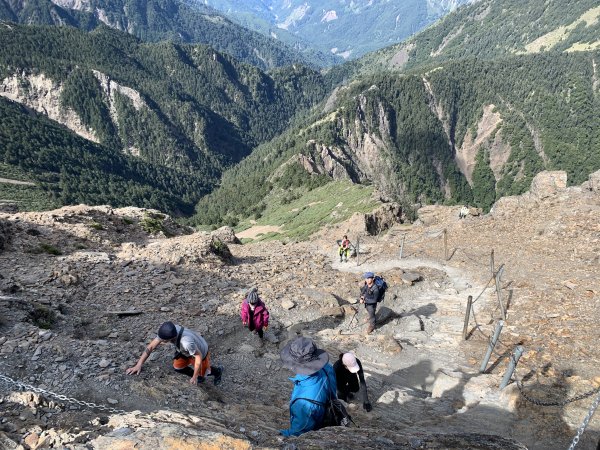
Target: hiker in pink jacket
[254, 313]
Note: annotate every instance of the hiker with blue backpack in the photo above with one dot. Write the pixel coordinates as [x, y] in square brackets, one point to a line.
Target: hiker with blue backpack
[371, 293]
[314, 385]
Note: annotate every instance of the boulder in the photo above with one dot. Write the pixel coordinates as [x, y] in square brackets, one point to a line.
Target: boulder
[546, 184]
[335, 311]
[411, 277]
[322, 299]
[383, 218]
[444, 384]
[594, 181]
[226, 235]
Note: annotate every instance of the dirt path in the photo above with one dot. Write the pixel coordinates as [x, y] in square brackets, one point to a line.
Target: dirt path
[9, 181]
[256, 230]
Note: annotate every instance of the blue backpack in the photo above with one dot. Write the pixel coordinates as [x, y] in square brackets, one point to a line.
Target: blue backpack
[382, 285]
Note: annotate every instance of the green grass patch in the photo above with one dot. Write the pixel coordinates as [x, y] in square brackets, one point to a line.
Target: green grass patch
[48, 248]
[27, 198]
[96, 226]
[302, 213]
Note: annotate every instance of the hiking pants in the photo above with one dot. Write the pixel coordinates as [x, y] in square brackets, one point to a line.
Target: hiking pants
[351, 385]
[371, 308]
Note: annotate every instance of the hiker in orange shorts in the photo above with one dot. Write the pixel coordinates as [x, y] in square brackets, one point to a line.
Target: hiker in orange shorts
[192, 357]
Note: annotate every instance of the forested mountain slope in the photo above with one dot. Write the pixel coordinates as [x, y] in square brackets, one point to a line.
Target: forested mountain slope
[489, 29]
[160, 20]
[467, 131]
[183, 107]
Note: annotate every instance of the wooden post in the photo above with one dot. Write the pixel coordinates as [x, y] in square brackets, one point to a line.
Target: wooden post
[402, 245]
[499, 290]
[358, 251]
[467, 316]
[492, 262]
[445, 244]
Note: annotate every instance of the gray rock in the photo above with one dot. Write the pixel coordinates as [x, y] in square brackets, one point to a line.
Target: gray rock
[548, 183]
[287, 304]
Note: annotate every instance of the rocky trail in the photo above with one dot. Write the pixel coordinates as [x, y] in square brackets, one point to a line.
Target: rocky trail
[84, 289]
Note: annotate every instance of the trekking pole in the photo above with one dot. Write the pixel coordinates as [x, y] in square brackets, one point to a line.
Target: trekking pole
[402, 245]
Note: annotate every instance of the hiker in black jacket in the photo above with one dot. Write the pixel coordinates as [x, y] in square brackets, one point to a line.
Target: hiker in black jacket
[369, 294]
[348, 374]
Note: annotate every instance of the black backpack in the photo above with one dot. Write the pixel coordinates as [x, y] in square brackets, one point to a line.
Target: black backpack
[336, 414]
[382, 285]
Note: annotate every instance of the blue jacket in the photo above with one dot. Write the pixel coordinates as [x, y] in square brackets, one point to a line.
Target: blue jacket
[306, 416]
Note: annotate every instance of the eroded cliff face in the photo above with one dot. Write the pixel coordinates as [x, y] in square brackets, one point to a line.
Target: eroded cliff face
[365, 152]
[42, 94]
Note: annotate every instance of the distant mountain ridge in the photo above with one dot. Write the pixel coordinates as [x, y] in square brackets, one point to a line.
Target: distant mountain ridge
[347, 29]
[158, 20]
[489, 29]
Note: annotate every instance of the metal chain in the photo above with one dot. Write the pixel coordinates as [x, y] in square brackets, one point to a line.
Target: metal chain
[64, 398]
[585, 422]
[556, 403]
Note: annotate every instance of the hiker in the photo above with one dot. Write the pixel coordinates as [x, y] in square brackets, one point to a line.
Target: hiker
[192, 357]
[314, 380]
[348, 375]
[344, 248]
[254, 313]
[464, 212]
[369, 293]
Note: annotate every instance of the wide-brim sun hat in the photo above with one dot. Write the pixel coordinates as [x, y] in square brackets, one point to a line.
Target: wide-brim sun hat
[303, 357]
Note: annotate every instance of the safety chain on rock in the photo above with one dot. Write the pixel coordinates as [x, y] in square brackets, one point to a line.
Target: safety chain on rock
[64, 398]
[556, 403]
[585, 422]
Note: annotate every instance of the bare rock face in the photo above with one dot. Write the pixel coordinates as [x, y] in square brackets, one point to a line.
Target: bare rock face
[594, 181]
[166, 437]
[546, 184]
[383, 218]
[226, 235]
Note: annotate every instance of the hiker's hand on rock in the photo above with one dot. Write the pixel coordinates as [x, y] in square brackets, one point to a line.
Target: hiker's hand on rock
[367, 407]
[245, 324]
[194, 380]
[266, 328]
[135, 370]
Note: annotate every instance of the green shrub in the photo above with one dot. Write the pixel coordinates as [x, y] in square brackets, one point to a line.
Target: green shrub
[153, 223]
[96, 226]
[42, 316]
[48, 248]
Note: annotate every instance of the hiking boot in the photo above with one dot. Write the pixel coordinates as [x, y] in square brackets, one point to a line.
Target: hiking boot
[370, 329]
[217, 374]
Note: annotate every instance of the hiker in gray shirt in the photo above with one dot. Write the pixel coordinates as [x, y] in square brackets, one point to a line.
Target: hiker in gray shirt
[192, 357]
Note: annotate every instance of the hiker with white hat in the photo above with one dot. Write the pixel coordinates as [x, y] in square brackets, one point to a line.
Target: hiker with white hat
[350, 378]
[314, 385]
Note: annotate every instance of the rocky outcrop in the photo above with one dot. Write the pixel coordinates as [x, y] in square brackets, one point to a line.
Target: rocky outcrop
[226, 235]
[546, 184]
[383, 218]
